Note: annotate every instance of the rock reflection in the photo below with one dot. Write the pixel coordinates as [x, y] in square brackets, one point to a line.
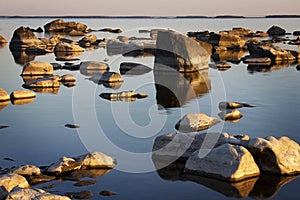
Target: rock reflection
[22, 101]
[175, 89]
[21, 58]
[227, 55]
[46, 90]
[3, 104]
[267, 68]
[89, 173]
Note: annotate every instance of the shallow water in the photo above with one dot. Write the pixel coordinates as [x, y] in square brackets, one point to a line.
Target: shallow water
[37, 135]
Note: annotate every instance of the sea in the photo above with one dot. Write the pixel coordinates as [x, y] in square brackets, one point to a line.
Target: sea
[126, 130]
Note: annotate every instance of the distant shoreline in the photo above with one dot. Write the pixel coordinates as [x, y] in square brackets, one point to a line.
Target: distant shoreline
[159, 17]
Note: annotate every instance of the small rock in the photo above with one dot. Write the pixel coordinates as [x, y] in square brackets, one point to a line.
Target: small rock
[222, 66]
[56, 66]
[224, 105]
[107, 193]
[230, 115]
[34, 180]
[9, 159]
[68, 78]
[22, 94]
[195, 122]
[130, 68]
[85, 183]
[10, 181]
[4, 95]
[27, 170]
[106, 77]
[72, 126]
[66, 59]
[35, 68]
[127, 96]
[80, 195]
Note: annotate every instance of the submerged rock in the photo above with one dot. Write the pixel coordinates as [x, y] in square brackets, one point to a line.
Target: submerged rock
[226, 162]
[80, 195]
[10, 181]
[36, 194]
[4, 96]
[85, 183]
[195, 122]
[107, 193]
[35, 68]
[22, 94]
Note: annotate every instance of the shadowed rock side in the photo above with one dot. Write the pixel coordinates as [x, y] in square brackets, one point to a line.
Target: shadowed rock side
[175, 89]
[179, 52]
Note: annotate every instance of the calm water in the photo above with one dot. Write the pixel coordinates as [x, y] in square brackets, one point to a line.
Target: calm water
[37, 135]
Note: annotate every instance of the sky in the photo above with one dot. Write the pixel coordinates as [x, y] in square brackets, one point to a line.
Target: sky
[149, 7]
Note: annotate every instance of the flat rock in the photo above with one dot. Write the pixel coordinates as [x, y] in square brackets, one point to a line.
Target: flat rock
[4, 95]
[222, 66]
[80, 195]
[195, 122]
[22, 94]
[36, 194]
[93, 65]
[72, 126]
[60, 25]
[107, 77]
[27, 170]
[47, 82]
[66, 47]
[231, 115]
[10, 181]
[35, 68]
[235, 164]
[96, 160]
[226, 40]
[276, 156]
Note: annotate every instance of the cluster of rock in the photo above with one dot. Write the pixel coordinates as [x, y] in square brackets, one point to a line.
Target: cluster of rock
[16, 183]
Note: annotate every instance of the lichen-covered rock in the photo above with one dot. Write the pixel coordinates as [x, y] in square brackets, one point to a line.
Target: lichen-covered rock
[36, 194]
[195, 122]
[67, 47]
[4, 95]
[226, 162]
[27, 170]
[10, 181]
[23, 38]
[47, 82]
[96, 160]
[277, 156]
[22, 94]
[35, 68]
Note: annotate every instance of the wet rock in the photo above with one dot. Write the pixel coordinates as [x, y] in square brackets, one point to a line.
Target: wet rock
[225, 105]
[231, 115]
[4, 95]
[72, 126]
[23, 38]
[22, 94]
[85, 183]
[258, 61]
[96, 160]
[68, 78]
[93, 67]
[221, 66]
[180, 52]
[36, 194]
[107, 77]
[275, 53]
[123, 96]
[10, 181]
[34, 180]
[60, 25]
[76, 33]
[35, 68]
[130, 68]
[276, 30]
[64, 165]
[27, 170]
[235, 164]
[276, 156]
[2, 40]
[47, 82]
[66, 47]
[107, 193]
[258, 34]
[80, 195]
[195, 122]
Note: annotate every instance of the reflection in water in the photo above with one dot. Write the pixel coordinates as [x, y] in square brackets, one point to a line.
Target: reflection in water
[77, 175]
[175, 89]
[227, 55]
[3, 104]
[22, 101]
[20, 57]
[46, 90]
[265, 186]
[267, 68]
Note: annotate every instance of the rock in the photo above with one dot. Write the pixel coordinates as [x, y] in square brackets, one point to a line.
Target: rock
[3, 192]
[87, 41]
[93, 67]
[275, 53]
[38, 30]
[225, 105]
[85, 183]
[23, 38]
[66, 59]
[56, 66]
[258, 34]
[107, 77]
[36, 194]
[276, 156]
[47, 82]
[10, 181]
[107, 193]
[60, 25]
[27, 170]
[235, 164]
[2, 40]
[298, 67]
[68, 78]
[72, 126]
[239, 31]
[195, 122]
[110, 30]
[276, 30]
[35, 68]
[182, 145]
[226, 40]
[3, 127]
[49, 186]
[258, 60]
[96, 160]
[22, 94]
[80, 195]
[3, 95]
[130, 68]
[64, 165]
[296, 33]
[3, 104]
[231, 115]
[76, 33]
[37, 51]
[222, 66]
[180, 52]
[123, 96]
[66, 47]
[34, 180]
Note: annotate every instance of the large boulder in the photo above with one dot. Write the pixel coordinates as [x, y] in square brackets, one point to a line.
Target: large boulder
[276, 30]
[4, 95]
[47, 82]
[195, 122]
[275, 53]
[24, 38]
[10, 181]
[67, 47]
[60, 25]
[226, 162]
[36, 194]
[276, 156]
[180, 52]
[35, 68]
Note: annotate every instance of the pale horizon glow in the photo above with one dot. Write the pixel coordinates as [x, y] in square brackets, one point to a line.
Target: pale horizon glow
[149, 8]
